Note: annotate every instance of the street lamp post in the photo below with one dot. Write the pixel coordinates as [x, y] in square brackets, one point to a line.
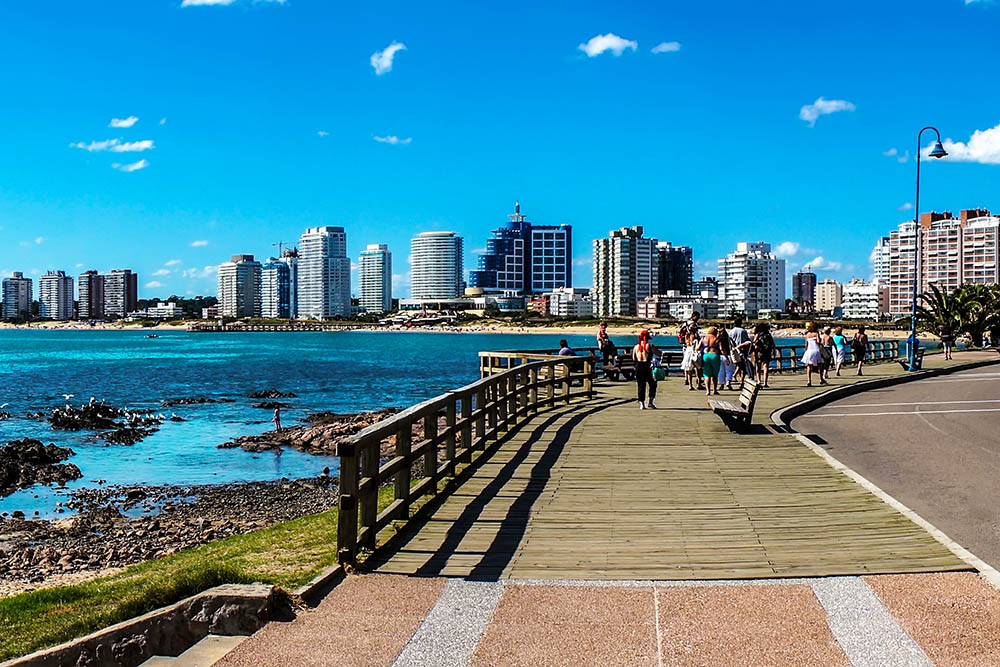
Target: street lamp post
[937, 152]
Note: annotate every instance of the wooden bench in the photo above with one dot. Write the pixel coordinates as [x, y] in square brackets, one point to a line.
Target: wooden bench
[738, 416]
[918, 361]
[622, 369]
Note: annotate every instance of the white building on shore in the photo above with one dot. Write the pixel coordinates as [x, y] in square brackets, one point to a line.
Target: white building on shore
[55, 296]
[751, 279]
[324, 274]
[865, 301]
[375, 279]
[436, 269]
[17, 296]
[239, 287]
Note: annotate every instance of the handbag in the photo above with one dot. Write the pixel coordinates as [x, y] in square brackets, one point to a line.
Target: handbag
[735, 355]
[659, 374]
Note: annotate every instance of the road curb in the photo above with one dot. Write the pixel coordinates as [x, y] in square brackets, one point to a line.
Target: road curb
[784, 416]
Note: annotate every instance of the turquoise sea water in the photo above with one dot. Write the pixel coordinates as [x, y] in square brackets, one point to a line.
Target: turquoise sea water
[340, 372]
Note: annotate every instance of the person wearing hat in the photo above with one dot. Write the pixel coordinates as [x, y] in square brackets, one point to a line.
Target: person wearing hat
[643, 353]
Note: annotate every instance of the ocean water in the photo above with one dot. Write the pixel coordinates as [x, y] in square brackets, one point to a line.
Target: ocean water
[335, 371]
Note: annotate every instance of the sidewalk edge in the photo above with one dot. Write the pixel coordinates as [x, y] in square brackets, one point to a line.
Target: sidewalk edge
[784, 416]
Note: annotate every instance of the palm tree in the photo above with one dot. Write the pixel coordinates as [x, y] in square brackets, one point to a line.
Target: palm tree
[938, 312]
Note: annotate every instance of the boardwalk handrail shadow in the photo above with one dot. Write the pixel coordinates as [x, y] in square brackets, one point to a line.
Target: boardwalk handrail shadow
[457, 424]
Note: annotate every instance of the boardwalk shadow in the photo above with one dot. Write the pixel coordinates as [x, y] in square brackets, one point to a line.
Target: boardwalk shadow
[514, 525]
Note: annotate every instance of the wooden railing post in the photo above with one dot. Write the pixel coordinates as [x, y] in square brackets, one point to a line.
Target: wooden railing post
[533, 392]
[404, 443]
[347, 516]
[567, 381]
[513, 407]
[481, 419]
[430, 456]
[369, 498]
[501, 403]
[588, 380]
[467, 427]
[492, 402]
[449, 443]
[550, 387]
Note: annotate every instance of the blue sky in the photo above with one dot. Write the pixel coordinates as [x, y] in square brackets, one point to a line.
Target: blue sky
[704, 143]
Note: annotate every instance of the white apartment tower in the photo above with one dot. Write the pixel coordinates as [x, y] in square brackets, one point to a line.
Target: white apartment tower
[751, 279]
[436, 266]
[55, 296]
[880, 261]
[375, 278]
[17, 296]
[626, 270]
[324, 274]
[865, 301]
[239, 287]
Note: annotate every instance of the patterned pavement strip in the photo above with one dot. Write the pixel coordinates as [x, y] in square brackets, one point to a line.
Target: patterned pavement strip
[863, 627]
[452, 630]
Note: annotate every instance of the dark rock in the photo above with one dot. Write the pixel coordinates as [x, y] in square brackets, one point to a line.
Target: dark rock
[24, 463]
[271, 393]
[271, 405]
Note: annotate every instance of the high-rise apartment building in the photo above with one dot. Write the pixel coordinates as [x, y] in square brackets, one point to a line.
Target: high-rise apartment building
[324, 274]
[953, 251]
[275, 289]
[375, 278]
[90, 296]
[121, 293]
[436, 269]
[751, 279]
[880, 261]
[239, 287]
[626, 269]
[864, 300]
[55, 296]
[17, 297]
[525, 258]
[706, 284]
[804, 288]
[829, 295]
[675, 271]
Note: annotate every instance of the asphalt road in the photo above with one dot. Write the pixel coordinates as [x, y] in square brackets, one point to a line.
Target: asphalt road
[932, 444]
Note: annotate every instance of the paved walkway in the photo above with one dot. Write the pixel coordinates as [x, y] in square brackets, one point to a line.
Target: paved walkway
[569, 549]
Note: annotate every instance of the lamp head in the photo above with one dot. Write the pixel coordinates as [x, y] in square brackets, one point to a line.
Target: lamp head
[938, 150]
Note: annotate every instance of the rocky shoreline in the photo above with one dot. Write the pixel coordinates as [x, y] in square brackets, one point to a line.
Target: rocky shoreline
[119, 526]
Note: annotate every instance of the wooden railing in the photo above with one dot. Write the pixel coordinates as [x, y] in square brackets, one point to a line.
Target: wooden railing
[789, 356]
[429, 442]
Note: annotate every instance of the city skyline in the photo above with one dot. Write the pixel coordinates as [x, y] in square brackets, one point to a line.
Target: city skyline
[256, 120]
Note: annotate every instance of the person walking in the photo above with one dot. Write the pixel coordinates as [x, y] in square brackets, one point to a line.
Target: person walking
[947, 341]
[742, 344]
[859, 347]
[727, 365]
[839, 348]
[604, 344]
[812, 359]
[826, 351]
[691, 352]
[710, 361]
[643, 354]
[764, 349]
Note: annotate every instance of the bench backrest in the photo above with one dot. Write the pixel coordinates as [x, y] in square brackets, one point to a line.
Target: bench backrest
[748, 394]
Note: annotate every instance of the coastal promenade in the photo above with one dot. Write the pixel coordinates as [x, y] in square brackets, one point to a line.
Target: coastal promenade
[601, 534]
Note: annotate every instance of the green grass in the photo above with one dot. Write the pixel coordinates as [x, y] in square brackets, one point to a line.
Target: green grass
[287, 555]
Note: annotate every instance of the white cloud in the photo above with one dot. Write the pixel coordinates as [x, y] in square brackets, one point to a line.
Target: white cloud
[382, 60]
[787, 249]
[393, 139]
[133, 146]
[221, 3]
[905, 207]
[982, 147]
[609, 42]
[820, 263]
[154, 283]
[666, 47]
[161, 272]
[96, 146]
[323, 133]
[821, 107]
[79, 265]
[115, 146]
[131, 166]
[890, 152]
[163, 121]
[172, 262]
[39, 240]
[198, 244]
[123, 122]
[904, 158]
[203, 273]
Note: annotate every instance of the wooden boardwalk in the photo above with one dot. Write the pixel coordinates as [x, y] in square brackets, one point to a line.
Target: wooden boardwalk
[600, 490]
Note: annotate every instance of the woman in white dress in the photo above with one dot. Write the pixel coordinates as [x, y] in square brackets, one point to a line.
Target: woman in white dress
[813, 357]
[688, 362]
